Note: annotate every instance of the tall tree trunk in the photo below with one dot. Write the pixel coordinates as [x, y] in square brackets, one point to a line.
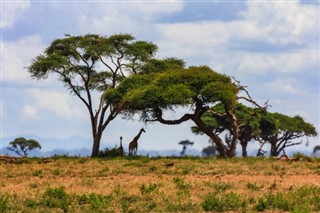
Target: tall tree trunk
[216, 139]
[244, 145]
[96, 144]
[273, 150]
[235, 134]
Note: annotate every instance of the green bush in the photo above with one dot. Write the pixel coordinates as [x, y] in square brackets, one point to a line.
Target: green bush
[3, 203]
[55, 198]
[261, 205]
[222, 202]
[96, 201]
[109, 153]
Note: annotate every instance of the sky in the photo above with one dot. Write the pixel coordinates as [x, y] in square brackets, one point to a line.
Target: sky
[272, 47]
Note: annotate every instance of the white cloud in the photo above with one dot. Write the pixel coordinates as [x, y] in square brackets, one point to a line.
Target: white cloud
[283, 22]
[285, 86]
[124, 17]
[11, 11]
[18, 55]
[29, 111]
[274, 25]
[60, 104]
[156, 8]
[259, 63]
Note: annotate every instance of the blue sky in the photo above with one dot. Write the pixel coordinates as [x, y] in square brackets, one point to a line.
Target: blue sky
[270, 46]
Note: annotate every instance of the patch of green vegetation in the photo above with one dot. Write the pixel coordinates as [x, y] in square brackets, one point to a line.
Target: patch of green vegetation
[181, 184]
[222, 186]
[149, 188]
[37, 173]
[254, 186]
[222, 202]
[55, 198]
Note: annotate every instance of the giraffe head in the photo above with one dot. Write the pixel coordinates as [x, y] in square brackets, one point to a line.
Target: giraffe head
[142, 130]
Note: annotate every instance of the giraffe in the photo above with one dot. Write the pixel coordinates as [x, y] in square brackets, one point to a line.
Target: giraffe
[133, 145]
[120, 149]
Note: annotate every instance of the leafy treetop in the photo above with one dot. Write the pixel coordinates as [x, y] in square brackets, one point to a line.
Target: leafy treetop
[22, 146]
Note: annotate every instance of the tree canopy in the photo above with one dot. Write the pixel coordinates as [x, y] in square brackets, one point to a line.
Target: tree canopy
[22, 146]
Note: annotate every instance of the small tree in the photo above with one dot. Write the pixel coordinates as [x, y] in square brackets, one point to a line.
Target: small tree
[247, 121]
[184, 144]
[282, 131]
[316, 150]
[22, 146]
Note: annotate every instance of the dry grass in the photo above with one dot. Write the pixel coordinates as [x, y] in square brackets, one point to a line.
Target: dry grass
[150, 185]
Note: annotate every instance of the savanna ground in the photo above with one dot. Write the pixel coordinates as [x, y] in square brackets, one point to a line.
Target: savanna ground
[144, 184]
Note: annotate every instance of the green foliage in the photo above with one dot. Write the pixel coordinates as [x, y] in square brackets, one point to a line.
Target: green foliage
[95, 201]
[254, 186]
[147, 189]
[109, 153]
[22, 146]
[56, 198]
[3, 203]
[222, 186]
[222, 202]
[301, 156]
[281, 129]
[94, 63]
[181, 184]
[178, 87]
[261, 205]
[157, 66]
[37, 173]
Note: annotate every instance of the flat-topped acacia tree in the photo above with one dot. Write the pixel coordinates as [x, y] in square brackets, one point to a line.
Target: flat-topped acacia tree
[283, 131]
[91, 64]
[196, 87]
[220, 122]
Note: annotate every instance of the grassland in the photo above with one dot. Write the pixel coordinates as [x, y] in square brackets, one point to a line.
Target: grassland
[160, 185]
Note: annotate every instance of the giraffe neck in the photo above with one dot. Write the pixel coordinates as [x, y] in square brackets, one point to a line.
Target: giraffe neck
[138, 135]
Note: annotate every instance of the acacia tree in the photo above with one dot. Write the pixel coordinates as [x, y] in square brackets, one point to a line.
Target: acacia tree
[282, 131]
[316, 150]
[196, 87]
[22, 146]
[247, 122]
[88, 66]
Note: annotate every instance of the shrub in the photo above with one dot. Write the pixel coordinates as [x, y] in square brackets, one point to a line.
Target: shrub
[96, 201]
[223, 202]
[56, 198]
[261, 205]
[109, 152]
[3, 203]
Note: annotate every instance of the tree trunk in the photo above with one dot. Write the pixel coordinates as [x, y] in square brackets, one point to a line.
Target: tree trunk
[96, 144]
[244, 145]
[220, 146]
[273, 151]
